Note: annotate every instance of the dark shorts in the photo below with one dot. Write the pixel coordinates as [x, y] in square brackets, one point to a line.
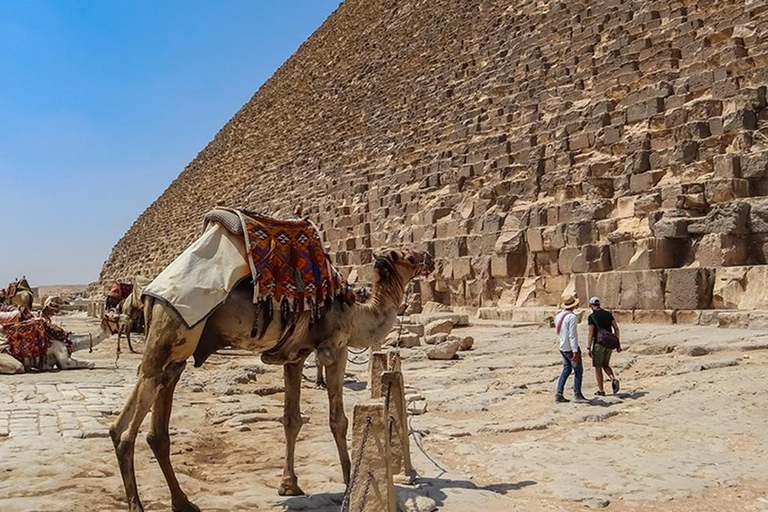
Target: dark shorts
[601, 356]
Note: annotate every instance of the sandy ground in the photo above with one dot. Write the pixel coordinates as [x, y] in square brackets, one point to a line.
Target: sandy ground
[686, 432]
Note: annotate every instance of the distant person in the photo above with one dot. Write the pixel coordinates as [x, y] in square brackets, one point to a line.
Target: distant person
[604, 337]
[566, 323]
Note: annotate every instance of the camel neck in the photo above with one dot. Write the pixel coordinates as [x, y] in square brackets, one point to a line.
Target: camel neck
[374, 319]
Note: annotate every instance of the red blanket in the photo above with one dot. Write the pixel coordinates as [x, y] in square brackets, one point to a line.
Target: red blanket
[289, 264]
[32, 338]
[120, 290]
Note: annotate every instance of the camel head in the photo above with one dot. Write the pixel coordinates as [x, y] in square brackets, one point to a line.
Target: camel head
[52, 305]
[402, 264]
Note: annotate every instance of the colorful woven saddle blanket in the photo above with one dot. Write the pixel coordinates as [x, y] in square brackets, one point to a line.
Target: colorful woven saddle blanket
[31, 339]
[289, 264]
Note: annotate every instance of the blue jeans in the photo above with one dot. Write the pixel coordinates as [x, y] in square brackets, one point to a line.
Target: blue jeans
[567, 367]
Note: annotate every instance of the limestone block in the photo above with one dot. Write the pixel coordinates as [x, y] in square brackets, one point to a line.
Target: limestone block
[606, 285]
[592, 258]
[728, 288]
[727, 166]
[405, 340]
[438, 326]
[719, 191]
[527, 294]
[642, 290]
[565, 259]
[510, 242]
[755, 296]
[688, 317]
[647, 203]
[733, 320]
[625, 207]
[466, 343]
[534, 238]
[754, 165]
[758, 216]
[670, 227]
[654, 316]
[621, 254]
[553, 237]
[688, 288]
[758, 320]
[445, 350]
[623, 316]
[653, 253]
[546, 263]
[726, 218]
[581, 233]
[508, 265]
[718, 250]
[462, 269]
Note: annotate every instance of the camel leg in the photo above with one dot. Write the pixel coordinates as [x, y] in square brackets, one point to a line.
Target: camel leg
[10, 365]
[65, 361]
[338, 420]
[123, 433]
[319, 381]
[291, 425]
[128, 328]
[160, 441]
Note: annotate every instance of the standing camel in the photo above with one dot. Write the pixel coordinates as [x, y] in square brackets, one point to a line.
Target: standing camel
[170, 343]
[20, 294]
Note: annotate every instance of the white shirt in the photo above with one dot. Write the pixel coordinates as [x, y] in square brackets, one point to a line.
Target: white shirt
[569, 336]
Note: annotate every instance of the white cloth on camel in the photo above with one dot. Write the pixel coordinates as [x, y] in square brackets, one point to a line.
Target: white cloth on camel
[202, 276]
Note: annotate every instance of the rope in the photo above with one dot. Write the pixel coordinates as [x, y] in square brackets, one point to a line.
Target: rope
[345, 504]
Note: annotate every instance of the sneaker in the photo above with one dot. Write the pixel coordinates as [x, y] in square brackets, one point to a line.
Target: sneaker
[615, 386]
[580, 399]
[560, 399]
[599, 393]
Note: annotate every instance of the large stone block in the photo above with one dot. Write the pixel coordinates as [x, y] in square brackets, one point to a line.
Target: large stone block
[508, 265]
[510, 242]
[719, 191]
[758, 216]
[754, 165]
[642, 290]
[688, 288]
[546, 263]
[534, 238]
[654, 316]
[718, 250]
[727, 218]
[592, 258]
[728, 289]
[755, 296]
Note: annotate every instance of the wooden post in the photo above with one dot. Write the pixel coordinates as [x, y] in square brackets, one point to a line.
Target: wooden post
[382, 362]
[372, 487]
[393, 390]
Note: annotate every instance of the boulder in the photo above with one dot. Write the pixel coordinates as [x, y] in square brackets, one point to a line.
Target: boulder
[445, 350]
[436, 339]
[407, 340]
[438, 326]
[466, 343]
[411, 501]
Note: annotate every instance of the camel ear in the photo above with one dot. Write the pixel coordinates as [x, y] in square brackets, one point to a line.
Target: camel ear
[394, 256]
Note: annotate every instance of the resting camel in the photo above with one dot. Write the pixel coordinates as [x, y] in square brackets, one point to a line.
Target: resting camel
[58, 354]
[170, 342]
[19, 294]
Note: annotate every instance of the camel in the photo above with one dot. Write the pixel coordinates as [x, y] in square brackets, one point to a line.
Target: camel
[58, 354]
[130, 314]
[20, 294]
[288, 342]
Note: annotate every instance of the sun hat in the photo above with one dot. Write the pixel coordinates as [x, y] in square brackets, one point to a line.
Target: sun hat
[568, 301]
[595, 301]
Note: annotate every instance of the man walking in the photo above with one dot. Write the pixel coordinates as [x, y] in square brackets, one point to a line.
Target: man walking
[566, 323]
[600, 319]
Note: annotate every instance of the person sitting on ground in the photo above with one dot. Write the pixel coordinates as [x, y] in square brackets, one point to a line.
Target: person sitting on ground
[566, 323]
[601, 354]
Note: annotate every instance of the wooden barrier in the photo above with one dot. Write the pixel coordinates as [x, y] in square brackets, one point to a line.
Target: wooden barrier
[393, 389]
[371, 486]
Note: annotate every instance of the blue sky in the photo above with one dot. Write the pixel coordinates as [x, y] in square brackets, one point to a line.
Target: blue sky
[103, 103]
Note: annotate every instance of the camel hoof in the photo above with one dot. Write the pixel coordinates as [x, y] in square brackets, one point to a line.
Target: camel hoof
[290, 489]
[186, 507]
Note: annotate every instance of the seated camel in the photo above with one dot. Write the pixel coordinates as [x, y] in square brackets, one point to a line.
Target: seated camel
[285, 340]
[58, 345]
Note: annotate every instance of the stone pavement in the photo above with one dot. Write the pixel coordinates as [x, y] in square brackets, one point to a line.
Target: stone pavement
[66, 409]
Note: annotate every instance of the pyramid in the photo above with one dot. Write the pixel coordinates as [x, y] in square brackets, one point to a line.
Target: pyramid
[615, 148]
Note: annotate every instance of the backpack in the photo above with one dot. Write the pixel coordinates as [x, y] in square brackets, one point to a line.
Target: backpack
[607, 338]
